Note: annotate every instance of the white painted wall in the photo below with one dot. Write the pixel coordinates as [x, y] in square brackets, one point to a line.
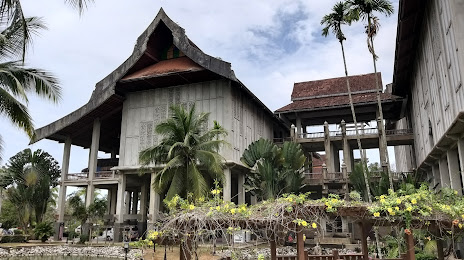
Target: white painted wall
[142, 111]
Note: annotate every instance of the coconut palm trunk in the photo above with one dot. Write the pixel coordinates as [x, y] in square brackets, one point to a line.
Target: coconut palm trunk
[341, 15]
[381, 125]
[355, 121]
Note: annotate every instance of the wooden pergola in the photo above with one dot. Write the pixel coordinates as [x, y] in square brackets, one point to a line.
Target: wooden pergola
[186, 222]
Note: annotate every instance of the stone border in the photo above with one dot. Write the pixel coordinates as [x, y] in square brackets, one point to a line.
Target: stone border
[97, 252]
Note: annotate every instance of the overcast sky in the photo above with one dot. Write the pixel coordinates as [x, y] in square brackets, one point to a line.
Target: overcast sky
[270, 43]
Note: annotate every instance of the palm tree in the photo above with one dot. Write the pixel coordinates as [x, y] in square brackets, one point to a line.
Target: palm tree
[188, 152]
[364, 9]
[17, 81]
[274, 170]
[341, 15]
[29, 178]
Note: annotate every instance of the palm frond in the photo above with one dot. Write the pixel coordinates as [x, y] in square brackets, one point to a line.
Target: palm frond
[15, 111]
[80, 5]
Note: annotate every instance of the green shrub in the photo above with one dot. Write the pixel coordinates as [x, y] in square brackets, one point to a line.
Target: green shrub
[18, 232]
[43, 231]
[83, 239]
[13, 239]
[425, 256]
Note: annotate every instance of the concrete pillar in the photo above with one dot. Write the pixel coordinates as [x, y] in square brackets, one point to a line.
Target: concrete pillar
[142, 224]
[345, 222]
[254, 200]
[153, 204]
[298, 127]
[127, 202]
[135, 202]
[436, 175]
[444, 173]
[335, 157]
[93, 158]
[453, 168]
[241, 188]
[120, 204]
[227, 189]
[109, 200]
[460, 145]
[292, 132]
[59, 226]
[346, 147]
[327, 148]
[114, 199]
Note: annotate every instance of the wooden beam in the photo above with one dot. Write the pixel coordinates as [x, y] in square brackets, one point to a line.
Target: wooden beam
[365, 249]
[273, 250]
[410, 253]
[441, 255]
[300, 252]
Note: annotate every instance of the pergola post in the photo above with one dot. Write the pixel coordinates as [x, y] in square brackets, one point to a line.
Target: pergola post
[365, 249]
[410, 254]
[441, 255]
[186, 249]
[273, 249]
[300, 252]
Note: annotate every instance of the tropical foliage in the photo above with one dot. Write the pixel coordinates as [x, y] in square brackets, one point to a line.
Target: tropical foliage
[29, 178]
[378, 180]
[274, 170]
[43, 231]
[188, 152]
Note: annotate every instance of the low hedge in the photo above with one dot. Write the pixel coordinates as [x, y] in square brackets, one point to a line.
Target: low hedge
[14, 238]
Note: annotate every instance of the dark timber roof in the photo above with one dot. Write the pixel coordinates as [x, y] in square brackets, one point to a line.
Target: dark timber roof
[335, 86]
[327, 100]
[143, 69]
[410, 16]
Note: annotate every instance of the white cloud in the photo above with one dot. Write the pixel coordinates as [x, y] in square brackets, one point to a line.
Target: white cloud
[80, 51]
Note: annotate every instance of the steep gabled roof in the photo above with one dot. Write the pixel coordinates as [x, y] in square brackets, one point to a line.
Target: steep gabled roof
[106, 99]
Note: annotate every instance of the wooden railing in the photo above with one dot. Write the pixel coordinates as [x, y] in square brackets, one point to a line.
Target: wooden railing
[365, 131]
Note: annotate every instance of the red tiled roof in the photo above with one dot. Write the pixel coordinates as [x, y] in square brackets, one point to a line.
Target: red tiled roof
[316, 103]
[181, 64]
[334, 86]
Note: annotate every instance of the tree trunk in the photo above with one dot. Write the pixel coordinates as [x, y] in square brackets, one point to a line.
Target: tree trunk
[358, 139]
[379, 104]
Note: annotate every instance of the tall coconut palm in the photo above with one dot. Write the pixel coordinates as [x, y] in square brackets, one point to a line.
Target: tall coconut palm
[341, 15]
[17, 82]
[188, 154]
[364, 9]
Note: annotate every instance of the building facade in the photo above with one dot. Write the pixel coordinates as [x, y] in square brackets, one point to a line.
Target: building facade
[165, 69]
[429, 67]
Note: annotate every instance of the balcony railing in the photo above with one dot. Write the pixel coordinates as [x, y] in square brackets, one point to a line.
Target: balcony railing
[365, 131]
[85, 175]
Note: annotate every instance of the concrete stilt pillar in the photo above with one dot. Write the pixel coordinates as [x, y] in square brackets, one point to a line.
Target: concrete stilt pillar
[328, 148]
[293, 133]
[59, 225]
[254, 200]
[436, 175]
[142, 223]
[299, 127]
[108, 201]
[135, 202]
[227, 189]
[153, 204]
[120, 208]
[114, 199]
[335, 157]
[127, 202]
[453, 168]
[93, 159]
[444, 173]
[460, 145]
[346, 147]
[241, 188]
